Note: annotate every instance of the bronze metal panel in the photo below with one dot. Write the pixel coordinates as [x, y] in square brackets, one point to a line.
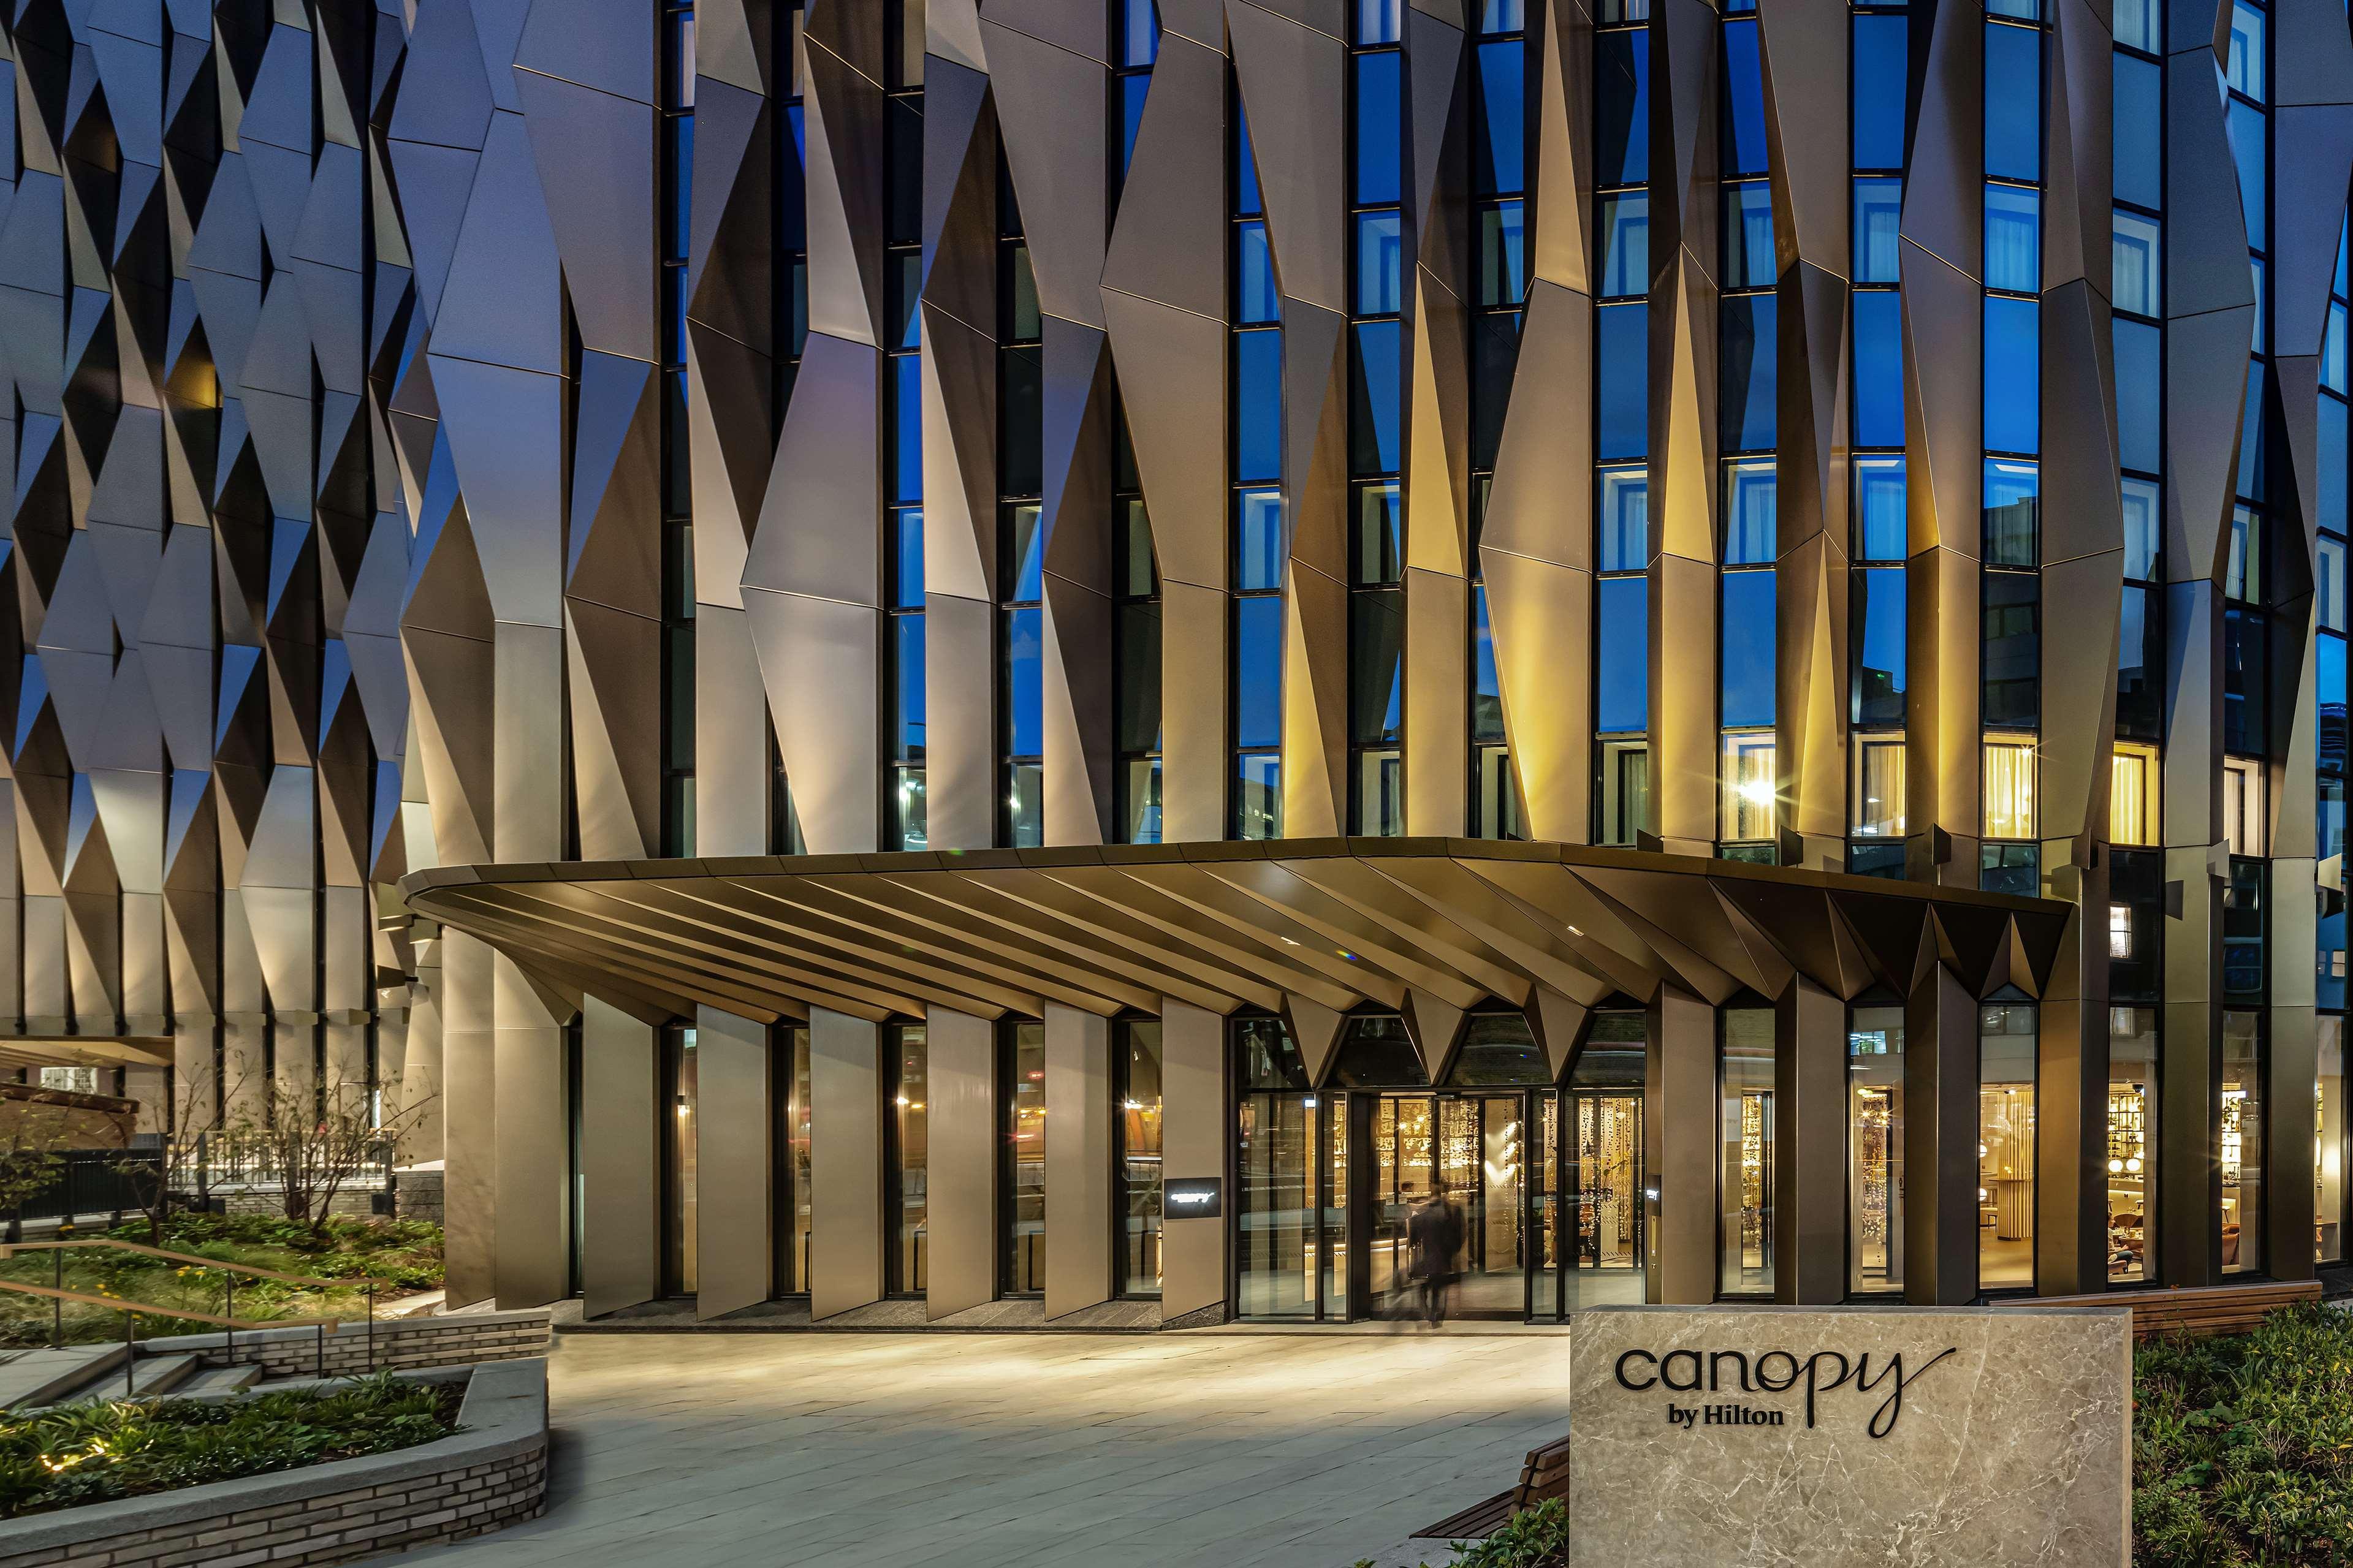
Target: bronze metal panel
[1169, 237]
[531, 1117]
[619, 1144]
[2079, 695]
[960, 733]
[1940, 1139]
[1679, 1148]
[846, 1224]
[1684, 676]
[1196, 1130]
[819, 659]
[1540, 618]
[734, 1118]
[963, 1129]
[1944, 203]
[1195, 763]
[1049, 110]
[1437, 702]
[1081, 1152]
[1293, 87]
[1809, 1124]
[1562, 249]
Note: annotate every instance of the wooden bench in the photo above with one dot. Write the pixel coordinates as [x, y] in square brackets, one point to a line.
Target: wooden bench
[1543, 1475]
[2196, 1313]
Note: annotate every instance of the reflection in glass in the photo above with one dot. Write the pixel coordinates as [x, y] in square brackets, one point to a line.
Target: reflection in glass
[1745, 1080]
[1874, 1050]
[909, 1157]
[2242, 1143]
[2006, 1045]
[685, 1113]
[2130, 1159]
[1022, 1085]
[2328, 1142]
[1274, 1158]
[798, 1134]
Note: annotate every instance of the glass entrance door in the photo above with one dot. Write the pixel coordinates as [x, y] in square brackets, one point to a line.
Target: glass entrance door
[1471, 1150]
[1588, 1201]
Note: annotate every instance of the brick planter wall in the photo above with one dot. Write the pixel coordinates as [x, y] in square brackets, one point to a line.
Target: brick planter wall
[459, 1339]
[416, 1194]
[483, 1479]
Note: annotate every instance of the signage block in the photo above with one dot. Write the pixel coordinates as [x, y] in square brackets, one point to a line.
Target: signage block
[1201, 1197]
[1839, 1436]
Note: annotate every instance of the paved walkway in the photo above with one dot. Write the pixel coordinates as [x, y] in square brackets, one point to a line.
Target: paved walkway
[891, 1450]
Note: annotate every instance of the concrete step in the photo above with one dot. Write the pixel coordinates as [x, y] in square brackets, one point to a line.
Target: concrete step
[36, 1377]
[223, 1379]
[151, 1377]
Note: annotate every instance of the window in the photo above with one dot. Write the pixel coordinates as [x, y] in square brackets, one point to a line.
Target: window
[1255, 652]
[1749, 814]
[2242, 1143]
[1278, 1160]
[2006, 1146]
[1021, 1207]
[1875, 1050]
[680, 1149]
[1744, 1181]
[907, 1162]
[1625, 793]
[905, 633]
[1878, 787]
[1135, 578]
[2133, 795]
[2131, 1155]
[2008, 788]
[2329, 1143]
[792, 1158]
[1135, 1053]
[2243, 815]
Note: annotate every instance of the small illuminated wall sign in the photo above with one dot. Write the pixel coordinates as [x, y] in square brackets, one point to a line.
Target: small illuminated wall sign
[1201, 1198]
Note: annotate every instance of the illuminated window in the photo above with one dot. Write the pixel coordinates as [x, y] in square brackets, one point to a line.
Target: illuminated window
[1748, 788]
[1879, 787]
[2242, 806]
[1625, 790]
[2132, 796]
[2008, 788]
[2120, 930]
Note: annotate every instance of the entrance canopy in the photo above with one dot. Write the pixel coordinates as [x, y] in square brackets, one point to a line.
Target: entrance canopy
[1309, 927]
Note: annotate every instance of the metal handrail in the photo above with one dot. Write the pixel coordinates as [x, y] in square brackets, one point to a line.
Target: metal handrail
[228, 1323]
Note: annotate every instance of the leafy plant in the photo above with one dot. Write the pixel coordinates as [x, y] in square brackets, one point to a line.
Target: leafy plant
[2242, 1447]
[1536, 1538]
[99, 1450]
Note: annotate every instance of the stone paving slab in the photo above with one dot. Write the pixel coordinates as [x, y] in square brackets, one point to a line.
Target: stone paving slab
[893, 1450]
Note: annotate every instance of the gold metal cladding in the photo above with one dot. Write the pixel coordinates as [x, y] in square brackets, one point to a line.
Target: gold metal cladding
[1325, 924]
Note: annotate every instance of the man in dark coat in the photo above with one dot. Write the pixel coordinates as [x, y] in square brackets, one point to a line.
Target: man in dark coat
[1435, 1233]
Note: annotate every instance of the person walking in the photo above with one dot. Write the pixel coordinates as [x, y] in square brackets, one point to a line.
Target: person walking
[1435, 1233]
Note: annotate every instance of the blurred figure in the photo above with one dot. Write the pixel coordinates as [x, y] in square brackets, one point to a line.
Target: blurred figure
[1435, 1234]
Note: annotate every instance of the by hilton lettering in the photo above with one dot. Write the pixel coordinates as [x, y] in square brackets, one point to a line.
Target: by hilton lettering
[1775, 1372]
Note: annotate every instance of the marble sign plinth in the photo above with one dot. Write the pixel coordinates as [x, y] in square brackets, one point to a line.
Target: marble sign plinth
[1741, 1436]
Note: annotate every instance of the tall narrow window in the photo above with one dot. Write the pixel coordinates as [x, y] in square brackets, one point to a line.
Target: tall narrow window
[1874, 1050]
[903, 393]
[677, 200]
[680, 1147]
[1498, 237]
[1744, 1084]
[2006, 1146]
[1382, 265]
[2129, 1161]
[2242, 1143]
[791, 1066]
[2010, 586]
[1021, 538]
[1877, 617]
[1136, 1057]
[908, 1162]
[1278, 1144]
[1621, 358]
[1135, 578]
[2334, 463]
[1255, 652]
[1021, 1207]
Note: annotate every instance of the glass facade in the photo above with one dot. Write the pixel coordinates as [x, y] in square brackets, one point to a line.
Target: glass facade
[1279, 1158]
[682, 1096]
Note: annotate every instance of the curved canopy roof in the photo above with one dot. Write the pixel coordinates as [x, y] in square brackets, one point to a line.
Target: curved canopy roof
[1310, 927]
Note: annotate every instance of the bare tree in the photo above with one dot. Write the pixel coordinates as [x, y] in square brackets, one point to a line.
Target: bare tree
[319, 1136]
[157, 1183]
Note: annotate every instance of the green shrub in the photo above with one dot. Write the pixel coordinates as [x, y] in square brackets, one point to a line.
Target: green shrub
[2242, 1447]
[98, 1450]
[1536, 1539]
